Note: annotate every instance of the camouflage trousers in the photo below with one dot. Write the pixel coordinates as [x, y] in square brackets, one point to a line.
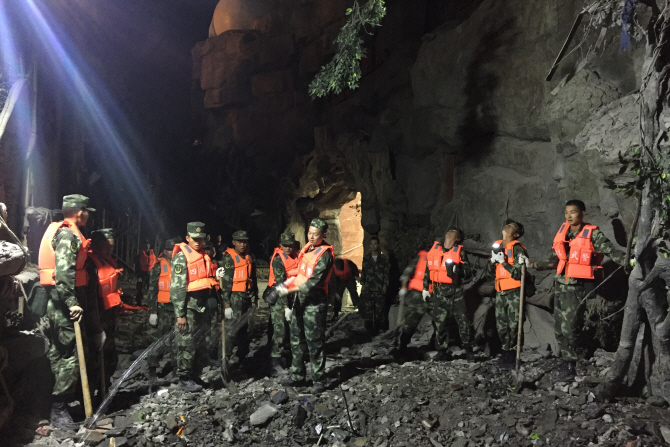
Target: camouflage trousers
[214, 334]
[280, 327]
[166, 322]
[374, 310]
[62, 353]
[337, 288]
[109, 358]
[447, 304]
[308, 335]
[240, 303]
[189, 346]
[568, 318]
[414, 308]
[507, 317]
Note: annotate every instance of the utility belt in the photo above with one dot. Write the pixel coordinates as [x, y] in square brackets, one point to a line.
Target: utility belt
[437, 286]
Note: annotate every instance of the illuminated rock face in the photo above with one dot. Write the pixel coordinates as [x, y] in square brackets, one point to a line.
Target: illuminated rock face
[238, 14]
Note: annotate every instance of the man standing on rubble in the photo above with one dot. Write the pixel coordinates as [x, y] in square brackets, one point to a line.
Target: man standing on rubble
[345, 272]
[447, 267]
[239, 290]
[161, 318]
[63, 254]
[192, 279]
[145, 262]
[308, 317]
[374, 283]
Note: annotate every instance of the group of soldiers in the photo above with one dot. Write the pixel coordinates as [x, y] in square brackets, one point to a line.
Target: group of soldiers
[189, 291]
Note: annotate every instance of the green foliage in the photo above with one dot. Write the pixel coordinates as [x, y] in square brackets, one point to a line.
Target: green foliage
[344, 70]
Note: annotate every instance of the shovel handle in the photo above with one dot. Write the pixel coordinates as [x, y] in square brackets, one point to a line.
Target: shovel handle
[519, 335]
[88, 407]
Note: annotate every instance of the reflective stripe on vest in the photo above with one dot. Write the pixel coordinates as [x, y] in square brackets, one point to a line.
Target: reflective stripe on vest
[164, 279]
[242, 274]
[198, 267]
[416, 283]
[47, 256]
[107, 278]
[147, 261]
[504, 280]
[437, 263]
[582, 260]
[290, 266]
[307, 260]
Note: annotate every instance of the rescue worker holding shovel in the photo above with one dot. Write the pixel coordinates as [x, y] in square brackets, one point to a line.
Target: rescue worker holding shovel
[63, 253]
[192, 279]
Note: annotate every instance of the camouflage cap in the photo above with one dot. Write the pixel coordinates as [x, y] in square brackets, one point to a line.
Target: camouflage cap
[170, 243]
[287, 239]
[240, 235]
[320, 224]
[77, 201]
[102, 234]
[519, 227]
[196, 229]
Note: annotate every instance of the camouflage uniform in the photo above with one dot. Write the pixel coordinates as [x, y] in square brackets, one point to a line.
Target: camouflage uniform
[448, 303]
[165, 316]
[308, 324]
[568, 294]
[240, 302]
[280, 327]
[507, 303]
[373, 305]
[338, 285]
[414, 308]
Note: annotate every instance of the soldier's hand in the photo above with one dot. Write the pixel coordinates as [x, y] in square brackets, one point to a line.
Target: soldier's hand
[153, 319]
[282, 290]
[75, 313]
[228, 313]
[523, 260]
[182, 325]
[402, 292]
[425, 295]
[220, 272]
[288, 314]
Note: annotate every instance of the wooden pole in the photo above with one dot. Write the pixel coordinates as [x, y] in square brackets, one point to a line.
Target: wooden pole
[519, 336]
[88, 407]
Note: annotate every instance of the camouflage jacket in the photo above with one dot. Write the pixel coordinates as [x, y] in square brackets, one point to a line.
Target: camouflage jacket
[227, 280]
[66, 244]
[601, 245]
[179, 297]
[375, 274]
[409, 270]
[278, 269]
[154, 273]
[463, 273]
[314, 289]
[513, 269]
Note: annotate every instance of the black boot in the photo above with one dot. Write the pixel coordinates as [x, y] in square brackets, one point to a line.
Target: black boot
[568, 373]
[186, 384]
[60, 417]
[151, 375]
[469, 354]
[507, 360]
[276, 367]
[318, 388]
[289, 381]
[443, 356]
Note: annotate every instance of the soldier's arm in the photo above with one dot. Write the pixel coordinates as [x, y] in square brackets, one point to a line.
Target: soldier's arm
[387, 270]
[153, 287]
[67, 246]
[278, 269]
[320, 273]
[549, 264]
[92, 293]
[604, 246]
[408, 272]
[178, 285]
[227, 280]
[426, 278]
[515, 269]
[467, 270]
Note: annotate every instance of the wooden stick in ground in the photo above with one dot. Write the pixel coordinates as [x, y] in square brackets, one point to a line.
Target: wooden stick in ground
[88, 407]
[103, 378]
[519, 335]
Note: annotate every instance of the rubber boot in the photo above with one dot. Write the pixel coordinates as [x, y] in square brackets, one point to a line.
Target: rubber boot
[469, 354]
[318, 388]
[60, 417]
[276, 367]
[189, 386]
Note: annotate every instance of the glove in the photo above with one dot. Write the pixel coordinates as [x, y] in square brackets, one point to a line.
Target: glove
[99, 340]
[153, 319]
[228, 313]
[633, 262]
[497, 257]
[425, 294]
[523, 260]
[220, 272]
[282, 290]
[402, 293]
[288, 313]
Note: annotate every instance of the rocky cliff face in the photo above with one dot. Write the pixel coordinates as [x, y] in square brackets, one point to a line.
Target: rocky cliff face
[451, 124]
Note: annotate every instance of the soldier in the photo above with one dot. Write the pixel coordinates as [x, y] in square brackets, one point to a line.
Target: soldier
[190, 287]
[507, 258]
[145, 262]
[344, 277]
[308, 317]
[374, 281]
[239, 288]
[104, 300]
[447, 266]
[214, 334]
[63, 253]
[161, 309]
[578, 251]
[283, 265]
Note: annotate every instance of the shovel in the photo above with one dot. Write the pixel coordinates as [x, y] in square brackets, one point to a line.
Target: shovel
[88, 407]
[519, 336]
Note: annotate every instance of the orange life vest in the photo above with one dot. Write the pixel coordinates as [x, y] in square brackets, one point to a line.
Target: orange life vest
[107, 277]
[346, 272]
[47, 257]
[290, 266]
[416, 282]
[198, 266]
[147, 261]
[242, 275]
[307, 260]
[437, 262]
[504, 280]
[164, 279]
[583, 260]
